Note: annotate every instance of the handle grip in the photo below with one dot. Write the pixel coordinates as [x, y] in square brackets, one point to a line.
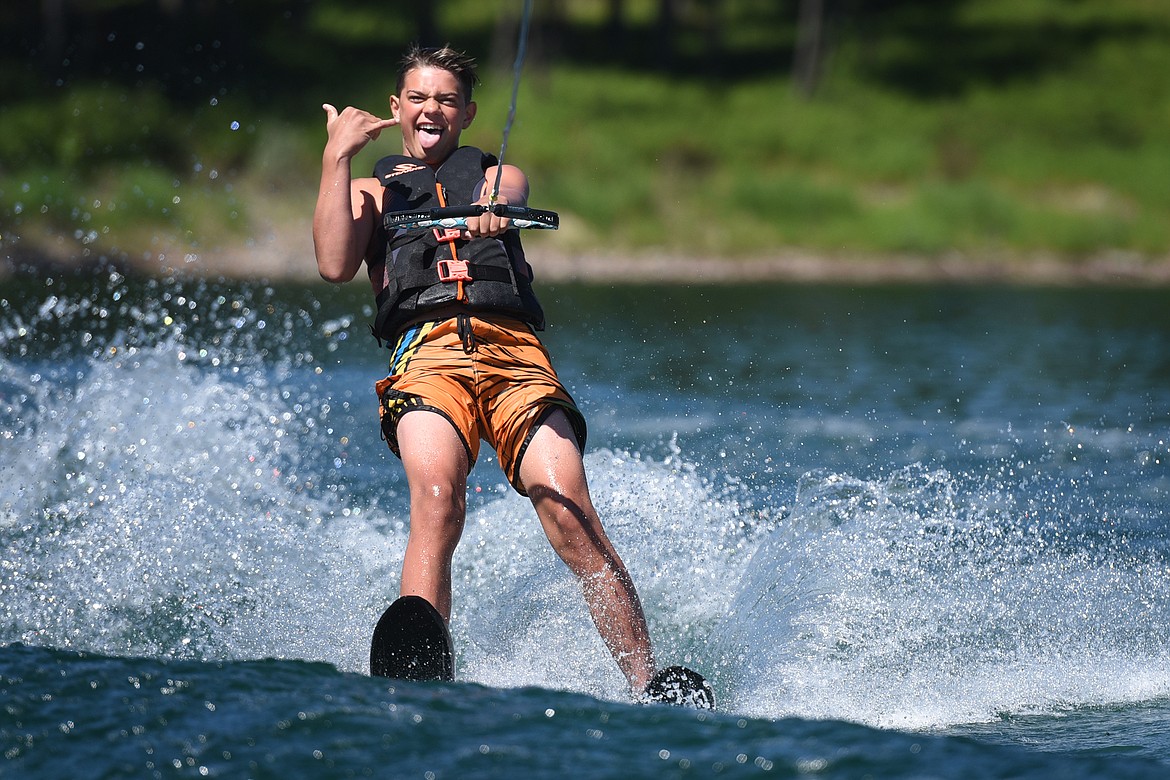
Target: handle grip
[523, 218]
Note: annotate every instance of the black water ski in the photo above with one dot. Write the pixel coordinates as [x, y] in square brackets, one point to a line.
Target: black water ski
[411, 642]
[681, 687]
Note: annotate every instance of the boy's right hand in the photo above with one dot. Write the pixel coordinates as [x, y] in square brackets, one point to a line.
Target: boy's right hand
[351, 129]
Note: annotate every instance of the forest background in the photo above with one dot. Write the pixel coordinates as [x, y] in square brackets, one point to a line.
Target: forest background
[1020, 139]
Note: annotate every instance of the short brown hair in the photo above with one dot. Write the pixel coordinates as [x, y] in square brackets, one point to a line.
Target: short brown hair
[455, 62]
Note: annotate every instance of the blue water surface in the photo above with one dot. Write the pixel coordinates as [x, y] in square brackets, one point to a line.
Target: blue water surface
[905, 531]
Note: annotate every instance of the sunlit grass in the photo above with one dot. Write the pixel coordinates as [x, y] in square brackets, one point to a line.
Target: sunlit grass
[1070, 160]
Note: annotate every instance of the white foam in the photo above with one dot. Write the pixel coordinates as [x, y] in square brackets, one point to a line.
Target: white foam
[900, 602]
[165, 510]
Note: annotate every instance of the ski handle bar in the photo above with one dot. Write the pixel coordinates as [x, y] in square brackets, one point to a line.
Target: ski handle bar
[450, 217]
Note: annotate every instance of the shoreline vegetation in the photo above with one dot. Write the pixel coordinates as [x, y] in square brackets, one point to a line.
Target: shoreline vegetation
[965, 141]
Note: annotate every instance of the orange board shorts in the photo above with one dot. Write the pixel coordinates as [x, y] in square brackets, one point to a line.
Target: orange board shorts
[489, 376]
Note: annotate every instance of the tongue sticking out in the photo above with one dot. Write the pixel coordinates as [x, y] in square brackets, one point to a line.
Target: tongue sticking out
[429, 137]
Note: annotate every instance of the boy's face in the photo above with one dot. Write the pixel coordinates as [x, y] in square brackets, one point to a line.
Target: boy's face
[431, 112]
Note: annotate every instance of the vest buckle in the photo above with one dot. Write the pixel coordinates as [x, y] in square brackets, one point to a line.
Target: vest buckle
[447, 235]
[453, 271]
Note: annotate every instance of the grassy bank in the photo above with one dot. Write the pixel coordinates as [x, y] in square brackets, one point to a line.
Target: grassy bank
[1020, 129]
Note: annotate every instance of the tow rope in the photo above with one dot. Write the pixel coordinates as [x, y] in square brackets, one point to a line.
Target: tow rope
[517, 67]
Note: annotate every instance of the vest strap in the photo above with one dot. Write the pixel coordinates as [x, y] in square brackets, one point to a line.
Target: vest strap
[455, 271]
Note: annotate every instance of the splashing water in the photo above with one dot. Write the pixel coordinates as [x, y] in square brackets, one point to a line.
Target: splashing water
[909, 602]
[161, 503]
[192, 471]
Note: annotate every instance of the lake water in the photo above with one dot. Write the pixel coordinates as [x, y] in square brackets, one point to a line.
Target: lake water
[905, 532]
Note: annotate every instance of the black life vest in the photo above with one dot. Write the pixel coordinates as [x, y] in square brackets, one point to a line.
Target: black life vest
[409, 279]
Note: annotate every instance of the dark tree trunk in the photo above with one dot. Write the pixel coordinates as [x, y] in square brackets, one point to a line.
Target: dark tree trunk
[665, 32]
[615, 23]
[428, 28]
[53, 22]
